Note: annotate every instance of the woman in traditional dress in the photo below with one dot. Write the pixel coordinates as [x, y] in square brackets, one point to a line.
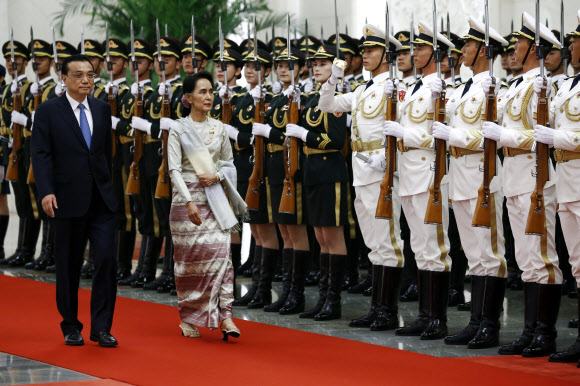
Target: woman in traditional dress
[201, 218]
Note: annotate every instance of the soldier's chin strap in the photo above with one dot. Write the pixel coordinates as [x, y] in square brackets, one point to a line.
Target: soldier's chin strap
[477, 55]
[384, 55]
[527, 53]
[429, 61]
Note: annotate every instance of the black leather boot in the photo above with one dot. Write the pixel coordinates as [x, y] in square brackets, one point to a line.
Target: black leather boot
[369, 317]
[21, 232]
[351, 265]
[417, 327]
[488, 333]
[322, 288]
[437, 327]
[145, 241]
[48, 260]
[573, 323]
[332, 308]
[263, 295]
[287, 258]
[464, 306]
[296, 302]
[125, 248]
[411, 293]
[388, 316]
[367, 283]
[457, 285]
[88, 269]
[149, 263]
[32, 229]
[166, 281]
[572, 353]
[544, 340]
[477, 295]
[530, 317]
[245, 300]
[236, 255]
[4, 220]
[43, 255]
[248, 263]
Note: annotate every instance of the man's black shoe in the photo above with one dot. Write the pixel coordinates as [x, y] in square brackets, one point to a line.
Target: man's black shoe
[104, 338]
[74, 338]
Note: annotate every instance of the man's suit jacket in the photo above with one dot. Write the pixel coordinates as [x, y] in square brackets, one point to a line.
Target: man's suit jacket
[62, 162]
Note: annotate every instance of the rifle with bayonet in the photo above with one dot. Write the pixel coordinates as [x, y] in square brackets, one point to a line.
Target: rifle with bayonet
[112, 97]
[257, 178]
[37, 98]
[194, 63]
[385, 203]
[133, 185]
[536, 224]
[413, 47]
[308, 63]
[288, 201]
[565, 51]
[226, 104]
[450, 58]
[434, 213]
[337, 45]
[482, 213]
[13, 169]
[163, 188]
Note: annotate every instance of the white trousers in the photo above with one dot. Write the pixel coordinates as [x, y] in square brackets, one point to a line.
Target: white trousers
[429, 242]
[536, 256]
[383, 237]
[570, 219]
[484, 248]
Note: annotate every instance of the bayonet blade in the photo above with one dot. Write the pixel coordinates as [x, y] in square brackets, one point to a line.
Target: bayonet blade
[540, 51]
[435, 45]
[336, 32]
[563, 40]
[166, 33]
[158, 37]
[32, 55]
[255, 42]
[54, 51]
[221, 37]
[132, 43]
[346, 29]
[193, 57]
[12, 46]
[82, 39]
[107, 41]
[322, 34]
[142, 35]
[488, 47]
[307, 42]
[288, 41]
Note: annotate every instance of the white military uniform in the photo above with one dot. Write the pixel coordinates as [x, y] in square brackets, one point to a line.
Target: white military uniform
[483, 247]
[429, 242]
[536, 256]
[565, 119]
[368, 116]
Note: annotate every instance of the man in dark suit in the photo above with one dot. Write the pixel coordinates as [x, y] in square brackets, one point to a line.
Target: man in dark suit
[71, 157]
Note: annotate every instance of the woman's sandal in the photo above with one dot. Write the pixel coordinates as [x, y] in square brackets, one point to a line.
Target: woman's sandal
[191, 332]
[230, 330]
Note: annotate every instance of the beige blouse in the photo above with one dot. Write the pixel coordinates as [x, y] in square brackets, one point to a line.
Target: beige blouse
[181, 170]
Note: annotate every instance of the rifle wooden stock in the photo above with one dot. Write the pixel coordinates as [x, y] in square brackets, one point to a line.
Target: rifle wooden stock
[162, 189]
[133, 185]
[536, 224]
[482, 213]
[226, 109]
[288, 200]
[434, 212]
[385, 203]
[30, 178]
[113, 104]
[12, 171]
[257, 177]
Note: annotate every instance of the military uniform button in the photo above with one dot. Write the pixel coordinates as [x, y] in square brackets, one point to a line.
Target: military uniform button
[423, 158]
[481, 160]
[529, 157]
[324, 158]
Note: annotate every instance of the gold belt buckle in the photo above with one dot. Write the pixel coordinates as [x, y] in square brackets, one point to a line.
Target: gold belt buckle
[559, 155]
[454, 151]
[353, 146]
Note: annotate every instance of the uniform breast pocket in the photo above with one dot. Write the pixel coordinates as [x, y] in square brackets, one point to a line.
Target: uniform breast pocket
[572, 108]
[417, 110]
[372, 105]
[471, 110]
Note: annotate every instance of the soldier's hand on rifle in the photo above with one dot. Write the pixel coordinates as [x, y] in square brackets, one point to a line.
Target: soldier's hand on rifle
[13, 87]
[112, 87]
[193, 213]
[539, 85]
[378, 163]
[60, 89]
[491, 131]
[338, 67]
[389, 88]
[35, 89]
[141, 125]
[256, 93]
[114, 122]
[222, 91]
[394, 129]
[308, 86]
[135, 88]
[261, 130]
[544, 134]
[440, 131]
[163, 87]
[277, 88]
[486, 85]
[19, 118]
[232, 132]
[296, 131]
[436, 87]
[32, 120]
[165, 123]
[49, 204]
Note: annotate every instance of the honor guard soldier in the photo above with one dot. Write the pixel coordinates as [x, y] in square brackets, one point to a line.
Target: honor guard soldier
[457, 59]
[516, 67]
[356, 65]
[228, 78]
[203, 53]
[29, 224]
[349, 49]
[311, 44]
[404, 59]
[555, 62]
[40, 92]
[275, 45]
[483, 246]
[536, 255]
[156, 211]
[564, 135]
[429, 242]
[63, 51]
[94, 51]
[367, 105]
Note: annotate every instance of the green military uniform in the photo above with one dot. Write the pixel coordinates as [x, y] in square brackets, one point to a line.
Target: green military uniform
[310, 45]
[94, 49]
[203, 49]
[231, 55]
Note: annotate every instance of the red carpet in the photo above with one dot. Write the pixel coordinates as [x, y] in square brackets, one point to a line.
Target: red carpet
[152, 351]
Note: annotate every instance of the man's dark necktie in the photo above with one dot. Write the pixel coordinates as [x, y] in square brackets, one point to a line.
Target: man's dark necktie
[417, 86]
[575, 81]
[467, 86]
[516, 82]
[85, 128]
[369, 84]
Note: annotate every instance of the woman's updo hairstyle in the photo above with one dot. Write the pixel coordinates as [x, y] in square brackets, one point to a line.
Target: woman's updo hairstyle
[190, 83]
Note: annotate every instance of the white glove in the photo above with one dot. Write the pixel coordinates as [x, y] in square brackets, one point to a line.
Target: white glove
[277, 88]
[308, 86]
[165, 123]
[544, 134]
[114, 122]
[436, 87]
[256, 93]
[115, 88]
[261, 129]
[60, 89]
[232, 132]
[223, 90]
[13, 87]
[288, 91]
[491, 131]
[389, 88]
[163, 87]
[35, 88]
[486, 84]
[296, 131]
[19, 118]
[135, 89]
[337, 71]
[141, 125]
[393, 129]
[440, 131]
[539, 84]
[32, 119]
[378, 163]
